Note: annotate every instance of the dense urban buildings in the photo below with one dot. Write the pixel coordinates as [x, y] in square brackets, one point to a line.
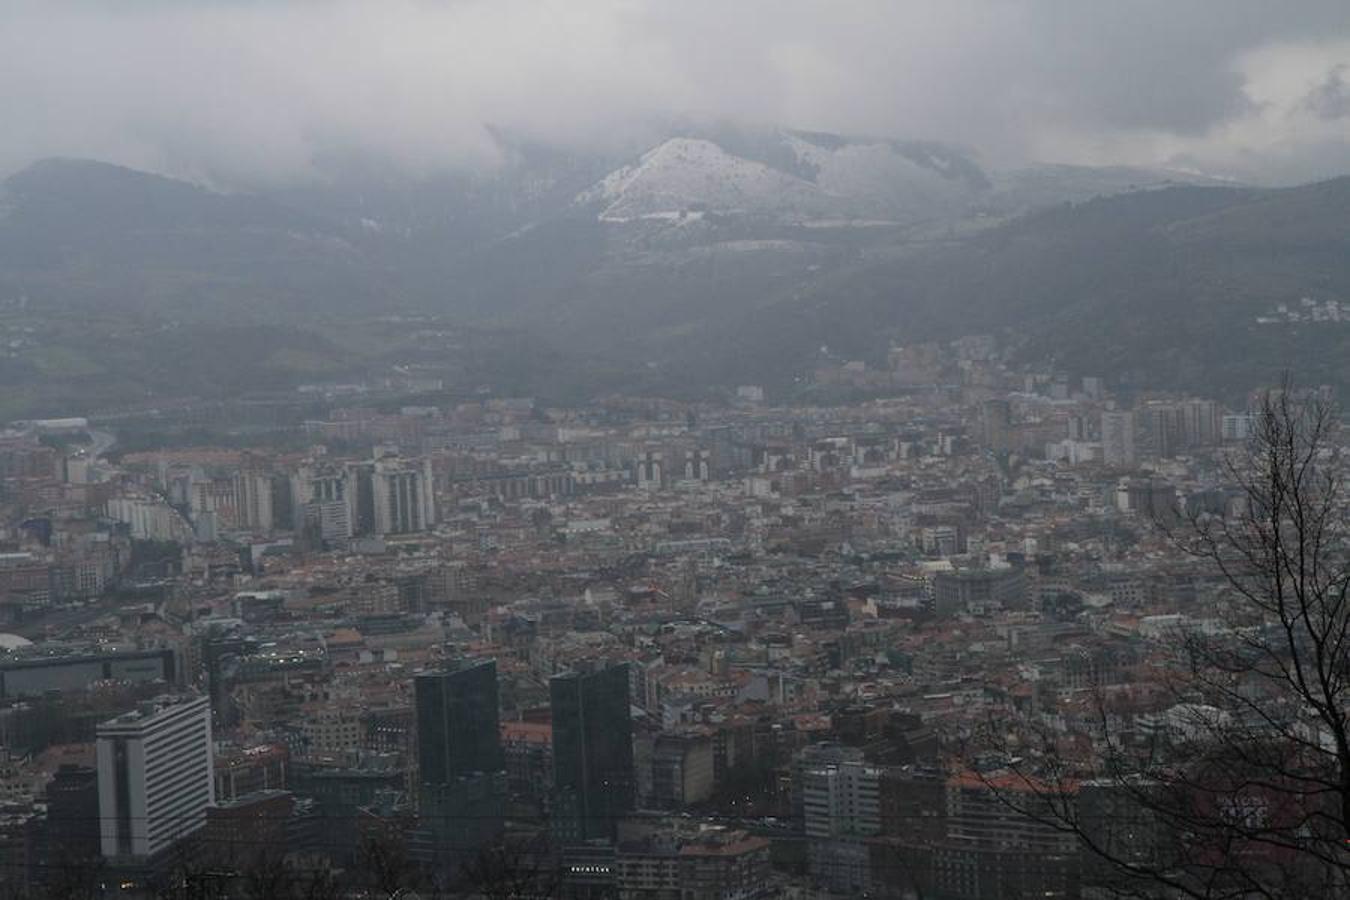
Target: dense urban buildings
[639, 648]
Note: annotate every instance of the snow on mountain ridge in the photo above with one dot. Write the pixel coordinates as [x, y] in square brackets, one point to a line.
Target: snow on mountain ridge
[808, 178]
[883, 181]
[696, 174]
[839, 180]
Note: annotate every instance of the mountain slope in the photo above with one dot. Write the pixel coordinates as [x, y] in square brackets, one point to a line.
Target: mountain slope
[79, 234]
[1158, 288]
[791, 177]
[686, 174]
[714, 256]
[84, 195]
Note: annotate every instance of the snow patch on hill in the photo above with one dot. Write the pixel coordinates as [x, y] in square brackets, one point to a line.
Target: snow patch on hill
[883, 182]
[805, 178]
[840, 181]
[692, 174]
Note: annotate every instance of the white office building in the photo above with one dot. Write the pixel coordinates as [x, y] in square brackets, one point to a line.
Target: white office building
[841, 805]
[155, 778]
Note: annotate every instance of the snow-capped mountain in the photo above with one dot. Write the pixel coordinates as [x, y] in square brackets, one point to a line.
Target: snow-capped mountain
[882, 181]
[811, 178]
[706, 221]
[795, 177]
[686, 175]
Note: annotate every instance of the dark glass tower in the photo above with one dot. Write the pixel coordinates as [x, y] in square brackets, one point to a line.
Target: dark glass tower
[462, 784]
[592, 753]
[458, 732]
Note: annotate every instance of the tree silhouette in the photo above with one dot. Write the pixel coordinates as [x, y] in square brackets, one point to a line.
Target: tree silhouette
[1240, 786]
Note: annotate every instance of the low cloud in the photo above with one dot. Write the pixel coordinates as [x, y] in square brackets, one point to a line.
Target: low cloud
[1331, 98]
[268, 89]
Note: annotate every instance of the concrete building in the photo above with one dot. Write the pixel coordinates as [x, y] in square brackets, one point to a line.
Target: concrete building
[996, 424]
[1118, 447]
[682, 770]
[253, 501]
[1237, 427]
[527, 752]
[841, 809]
[651, 470]
[993, 849]
[979, 590]
[244, 832]
[32, 673]
[149, 519]
[72, 816]
[697, 465]
[322, 499]
[401, 490]
[1201, 423]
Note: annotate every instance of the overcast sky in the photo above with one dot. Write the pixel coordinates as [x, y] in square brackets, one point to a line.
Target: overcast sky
[1256, 89]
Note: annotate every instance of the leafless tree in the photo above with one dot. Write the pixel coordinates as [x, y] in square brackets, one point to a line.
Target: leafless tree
[268, 877]
[1240, 785]
[389, 870]
[510, 871]
[190, 881]
[74, 878]
[318, 883]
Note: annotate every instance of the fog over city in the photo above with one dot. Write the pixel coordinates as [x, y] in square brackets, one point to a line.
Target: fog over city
[237, 91]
